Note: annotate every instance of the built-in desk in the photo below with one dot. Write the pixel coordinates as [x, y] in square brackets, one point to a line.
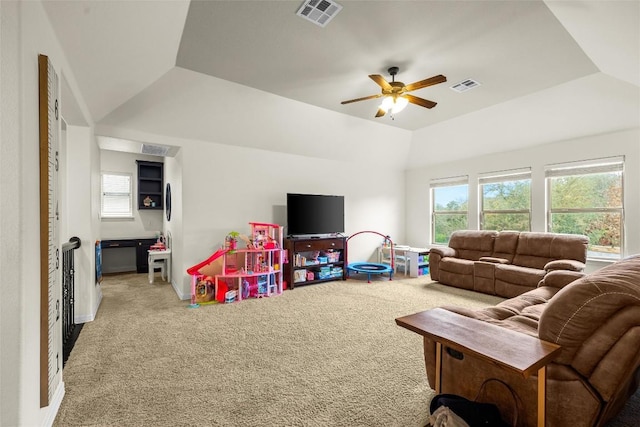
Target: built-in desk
[126, 255]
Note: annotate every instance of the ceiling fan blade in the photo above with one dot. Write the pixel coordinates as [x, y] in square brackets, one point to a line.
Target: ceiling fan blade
[426, 82]
[361, 99]
[380, 112]
[381, 81]
[421, 102]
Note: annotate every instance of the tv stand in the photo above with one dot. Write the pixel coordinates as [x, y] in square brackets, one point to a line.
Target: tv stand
[315, 259]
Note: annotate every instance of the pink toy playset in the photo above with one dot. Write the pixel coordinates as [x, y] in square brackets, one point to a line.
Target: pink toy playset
[232, 274]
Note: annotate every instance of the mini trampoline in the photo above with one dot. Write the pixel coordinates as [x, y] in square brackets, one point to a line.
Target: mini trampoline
[369, 268]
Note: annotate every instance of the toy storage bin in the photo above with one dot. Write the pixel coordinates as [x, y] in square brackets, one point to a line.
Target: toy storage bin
[331, 256]
[325, 272]
[300, 276]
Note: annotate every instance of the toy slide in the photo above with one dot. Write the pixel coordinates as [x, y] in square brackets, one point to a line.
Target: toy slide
[196, 268]
[202, 282]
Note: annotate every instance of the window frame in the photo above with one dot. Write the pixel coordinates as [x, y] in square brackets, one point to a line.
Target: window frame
[589, 167]
[446, 182]
[498, 177]
[125, 215]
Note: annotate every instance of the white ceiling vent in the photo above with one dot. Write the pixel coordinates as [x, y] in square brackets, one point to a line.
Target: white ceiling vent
[320, 12]
[465, 85]
[155, 150]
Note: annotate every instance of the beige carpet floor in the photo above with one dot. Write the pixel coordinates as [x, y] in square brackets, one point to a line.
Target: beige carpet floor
[319, 355]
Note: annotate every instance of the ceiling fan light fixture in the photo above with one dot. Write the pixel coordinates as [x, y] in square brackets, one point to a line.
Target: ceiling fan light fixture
[394, 104]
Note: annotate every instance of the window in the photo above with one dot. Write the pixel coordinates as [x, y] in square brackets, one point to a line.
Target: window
[450, 200]
[116, 196]
[505, 200]
[586, 198]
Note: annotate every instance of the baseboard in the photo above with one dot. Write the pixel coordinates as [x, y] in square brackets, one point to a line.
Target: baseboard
[181, 295]
[54, 406]
[90, 317]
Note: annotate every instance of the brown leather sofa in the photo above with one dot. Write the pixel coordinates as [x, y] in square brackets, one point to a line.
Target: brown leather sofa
[506, 263]
[595, 318]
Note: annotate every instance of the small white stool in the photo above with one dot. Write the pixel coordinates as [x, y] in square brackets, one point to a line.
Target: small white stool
[158, 263]
[161, 260]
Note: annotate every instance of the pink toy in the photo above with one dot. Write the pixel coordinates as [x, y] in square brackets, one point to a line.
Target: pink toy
[239, 274]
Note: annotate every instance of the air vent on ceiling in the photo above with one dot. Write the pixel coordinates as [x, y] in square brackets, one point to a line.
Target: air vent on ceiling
[320, 12]
[155, 150]
[465, 85]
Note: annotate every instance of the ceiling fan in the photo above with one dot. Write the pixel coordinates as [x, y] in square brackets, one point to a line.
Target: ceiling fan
[395, 93]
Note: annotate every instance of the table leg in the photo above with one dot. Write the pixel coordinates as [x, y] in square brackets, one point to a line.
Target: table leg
[542, 396]
[151, 269]
[438, 367]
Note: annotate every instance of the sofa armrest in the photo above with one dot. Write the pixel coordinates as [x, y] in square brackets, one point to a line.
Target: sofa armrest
[494, 260]
[560, 278]
[443, 251]
[564, 264]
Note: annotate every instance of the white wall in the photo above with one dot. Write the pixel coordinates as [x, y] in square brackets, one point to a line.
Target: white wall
[144, 223]
[25, 33]
[11, 265]
[80, 218]
[174, 226]
[225, 187]
[625, 143]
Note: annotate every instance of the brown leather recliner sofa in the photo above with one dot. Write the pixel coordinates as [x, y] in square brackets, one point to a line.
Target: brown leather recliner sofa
[505, 263]
[595, 318]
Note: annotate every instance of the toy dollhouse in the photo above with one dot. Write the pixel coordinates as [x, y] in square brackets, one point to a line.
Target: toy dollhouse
[242, 273]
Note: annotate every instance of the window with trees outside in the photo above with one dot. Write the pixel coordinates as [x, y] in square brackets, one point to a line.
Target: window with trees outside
[587, 198]
[449, 202]
[116, 196]
[505, 200]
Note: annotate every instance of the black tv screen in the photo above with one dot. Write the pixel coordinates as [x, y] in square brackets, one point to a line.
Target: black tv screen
[314, 214]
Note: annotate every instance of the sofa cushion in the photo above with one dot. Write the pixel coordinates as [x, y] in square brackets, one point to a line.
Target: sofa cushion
[560, 278]
[505, 245]
[564, 264]
[472, 244]
[456, 271]
[457, 265]
[523, 276]
[521, 313]
[484, 276]
[535, 250]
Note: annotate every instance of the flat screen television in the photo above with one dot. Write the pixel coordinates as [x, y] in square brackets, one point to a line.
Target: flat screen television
[309, 214]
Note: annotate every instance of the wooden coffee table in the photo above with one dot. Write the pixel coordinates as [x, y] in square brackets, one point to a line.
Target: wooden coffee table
[508, 349]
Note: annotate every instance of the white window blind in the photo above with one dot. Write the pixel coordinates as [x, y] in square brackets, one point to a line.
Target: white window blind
[448, 182]
[612, 164]
[116, 196]
[507, 175]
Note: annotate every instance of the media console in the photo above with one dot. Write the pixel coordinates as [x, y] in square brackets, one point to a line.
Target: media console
[315, 260]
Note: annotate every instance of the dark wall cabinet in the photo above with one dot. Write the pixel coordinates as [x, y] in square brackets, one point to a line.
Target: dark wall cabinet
[142, 252]
[150, 185]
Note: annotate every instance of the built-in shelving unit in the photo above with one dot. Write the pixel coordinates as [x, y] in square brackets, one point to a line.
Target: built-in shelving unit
[150, 185]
